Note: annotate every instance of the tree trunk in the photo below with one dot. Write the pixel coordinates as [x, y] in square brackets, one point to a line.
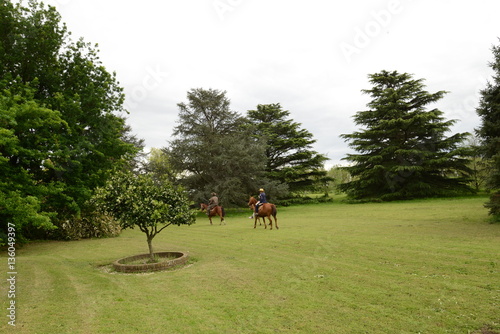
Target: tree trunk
[150, 245]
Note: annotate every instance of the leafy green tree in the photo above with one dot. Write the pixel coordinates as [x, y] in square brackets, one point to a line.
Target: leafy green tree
[289, 156]
[158, 163]
[144, 201]
[481, 167]
[60, 108]
[339, 175]
[403, 150]
[29, 142]
[489, 131]
[213, 152]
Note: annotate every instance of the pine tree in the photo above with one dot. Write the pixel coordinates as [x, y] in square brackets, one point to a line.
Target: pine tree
[403, 151]
[211, 152]
[290, 159]
[489, 131]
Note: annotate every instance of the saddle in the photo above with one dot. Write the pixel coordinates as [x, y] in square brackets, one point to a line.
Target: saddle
[262, 205]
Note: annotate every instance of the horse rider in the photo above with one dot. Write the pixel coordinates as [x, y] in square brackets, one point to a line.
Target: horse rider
[212, 203]
[262, 200]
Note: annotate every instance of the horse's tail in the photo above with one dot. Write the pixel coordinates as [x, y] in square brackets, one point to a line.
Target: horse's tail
[274, 210]
[223, 211]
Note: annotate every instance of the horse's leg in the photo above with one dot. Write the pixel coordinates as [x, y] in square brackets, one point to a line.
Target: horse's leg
[210, 218]
[270, 222]
[276, 222]
[255, 221]
[221, 218]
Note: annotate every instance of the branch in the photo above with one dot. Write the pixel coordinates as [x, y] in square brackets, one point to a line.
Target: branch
[163, 228]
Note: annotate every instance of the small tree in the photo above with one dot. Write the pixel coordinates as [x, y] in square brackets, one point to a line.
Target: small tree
[144, 201]
[481, 167]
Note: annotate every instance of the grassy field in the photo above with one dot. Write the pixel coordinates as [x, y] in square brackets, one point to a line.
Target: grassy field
[428, 266]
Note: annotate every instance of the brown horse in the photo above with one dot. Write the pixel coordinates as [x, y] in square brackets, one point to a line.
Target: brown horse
[265, 210]
[216, 210]
[251, 204]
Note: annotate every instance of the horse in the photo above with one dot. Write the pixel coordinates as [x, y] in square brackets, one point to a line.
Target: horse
[265, 210]
[216, 210]
[251, 204]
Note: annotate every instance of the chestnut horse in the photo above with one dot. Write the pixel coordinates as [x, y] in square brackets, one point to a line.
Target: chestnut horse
[251, 204]
[265, 210]
[216, 210]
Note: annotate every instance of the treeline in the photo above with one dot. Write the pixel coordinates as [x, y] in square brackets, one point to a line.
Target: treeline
[63, 135]
[218, 150]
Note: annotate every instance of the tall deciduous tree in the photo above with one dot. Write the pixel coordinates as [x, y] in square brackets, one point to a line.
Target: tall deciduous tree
[489, 131]
[403, 150]
[290, 158]
[46, 78]
[211, 150]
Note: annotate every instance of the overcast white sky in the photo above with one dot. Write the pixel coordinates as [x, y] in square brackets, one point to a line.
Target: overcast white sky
[313, 57]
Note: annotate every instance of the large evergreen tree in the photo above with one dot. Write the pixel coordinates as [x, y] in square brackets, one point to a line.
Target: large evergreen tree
[57, 112]
[489, 131]
[212, 151]
[288, 148]
[403, 150]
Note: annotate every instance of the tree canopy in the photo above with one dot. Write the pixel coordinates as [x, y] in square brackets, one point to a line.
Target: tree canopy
[146, 201]
[60, 119]
[212, 151]
[489, 130]
[288, 148]
[403, 150]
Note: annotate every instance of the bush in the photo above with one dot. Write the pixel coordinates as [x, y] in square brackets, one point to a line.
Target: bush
[92, 225]
[303, 200]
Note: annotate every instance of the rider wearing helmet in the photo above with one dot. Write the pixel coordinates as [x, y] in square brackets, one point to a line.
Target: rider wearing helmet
[262, 199]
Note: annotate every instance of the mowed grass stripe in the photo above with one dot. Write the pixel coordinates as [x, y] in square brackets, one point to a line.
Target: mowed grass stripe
[421, 266]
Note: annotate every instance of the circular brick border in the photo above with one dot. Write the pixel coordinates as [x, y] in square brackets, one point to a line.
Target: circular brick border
[180, 259]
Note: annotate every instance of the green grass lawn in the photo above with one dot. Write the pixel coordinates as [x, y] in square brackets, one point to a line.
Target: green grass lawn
[428, 266]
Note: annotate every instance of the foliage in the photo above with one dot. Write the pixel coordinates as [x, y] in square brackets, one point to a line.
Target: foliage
[290, 158]
[29, 144]
[489, 131]
[60, 134]
[212, 152]
[158, 163]
[340, 176]
[481, 167]
[403, 150]
[92, 225]
[302, 200]
[144, 201]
